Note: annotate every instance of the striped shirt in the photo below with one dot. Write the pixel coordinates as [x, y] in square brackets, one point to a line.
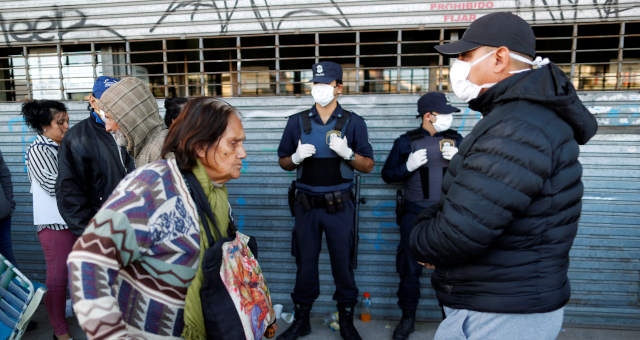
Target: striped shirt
[42, 167]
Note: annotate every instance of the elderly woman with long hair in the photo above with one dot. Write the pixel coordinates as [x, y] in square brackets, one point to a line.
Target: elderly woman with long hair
[50, 120]
[136, 269]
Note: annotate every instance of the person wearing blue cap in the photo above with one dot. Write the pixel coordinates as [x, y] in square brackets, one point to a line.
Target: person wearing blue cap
[511, 197]
[324, 144]
[90, 163]
[418, 160]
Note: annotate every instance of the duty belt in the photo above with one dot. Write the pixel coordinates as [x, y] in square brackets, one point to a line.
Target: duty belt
[332, 201]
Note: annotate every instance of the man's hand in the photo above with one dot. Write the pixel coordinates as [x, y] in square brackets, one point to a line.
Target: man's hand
[449, 152]
[416, 159]
[339, 146]
[302, 152]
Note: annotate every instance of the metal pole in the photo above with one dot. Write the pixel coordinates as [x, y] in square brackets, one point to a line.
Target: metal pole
[186, 76]
[165, 69]
[238, 67]
[59, 53]
[574, 45]
[26, 72]
[317, 47]
[398, 62]
[128, 57]
[203, 87]
[93, 61]
[440, 63]
[277, 64]
[620, 54]
[357, 89]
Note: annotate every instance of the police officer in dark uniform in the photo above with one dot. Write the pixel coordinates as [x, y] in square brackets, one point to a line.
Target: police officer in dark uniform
[324, 144]
[418, 159]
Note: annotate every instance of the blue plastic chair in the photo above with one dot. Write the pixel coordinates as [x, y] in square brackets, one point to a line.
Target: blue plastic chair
[19, 299]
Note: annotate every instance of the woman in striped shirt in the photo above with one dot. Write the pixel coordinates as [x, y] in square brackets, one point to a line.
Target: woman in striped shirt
[50, 120]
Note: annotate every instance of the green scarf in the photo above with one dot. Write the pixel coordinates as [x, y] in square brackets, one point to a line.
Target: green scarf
[217, 196]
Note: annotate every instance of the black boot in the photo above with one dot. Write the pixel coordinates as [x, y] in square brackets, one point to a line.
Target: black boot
[300, 326]
[406, 325]
[345, 320]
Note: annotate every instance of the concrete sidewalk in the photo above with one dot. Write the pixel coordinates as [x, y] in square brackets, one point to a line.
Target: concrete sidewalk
[373, 330]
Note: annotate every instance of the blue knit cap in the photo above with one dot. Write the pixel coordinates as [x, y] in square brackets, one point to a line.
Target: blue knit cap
[101, 84]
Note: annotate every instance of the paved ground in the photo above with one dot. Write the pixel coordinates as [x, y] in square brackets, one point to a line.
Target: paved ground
[374, 330]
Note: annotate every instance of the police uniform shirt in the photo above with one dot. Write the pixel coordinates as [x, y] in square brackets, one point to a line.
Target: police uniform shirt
[355, 131]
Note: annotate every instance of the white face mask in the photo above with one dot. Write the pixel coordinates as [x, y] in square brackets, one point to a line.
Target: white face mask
[458, 74]
[102, 115]
[322, 94]
[465, 89]
[443, 122]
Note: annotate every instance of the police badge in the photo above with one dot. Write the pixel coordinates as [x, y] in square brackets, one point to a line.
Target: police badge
[332, 132]
[446, 143]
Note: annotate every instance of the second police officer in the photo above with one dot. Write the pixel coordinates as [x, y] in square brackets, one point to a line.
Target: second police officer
[418, 159]
[324, 144]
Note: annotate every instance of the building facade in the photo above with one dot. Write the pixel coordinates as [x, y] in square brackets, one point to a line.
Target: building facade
[259, 52]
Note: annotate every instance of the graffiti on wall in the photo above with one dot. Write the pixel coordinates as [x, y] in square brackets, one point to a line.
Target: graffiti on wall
[261, 11]
[48, 27]
[561, 10]
[260, 16]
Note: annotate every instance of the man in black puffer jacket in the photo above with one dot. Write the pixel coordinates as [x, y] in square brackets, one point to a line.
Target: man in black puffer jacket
[511, 201]
[90, 165]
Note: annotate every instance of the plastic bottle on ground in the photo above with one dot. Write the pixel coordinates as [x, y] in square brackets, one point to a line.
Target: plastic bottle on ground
[365, 311]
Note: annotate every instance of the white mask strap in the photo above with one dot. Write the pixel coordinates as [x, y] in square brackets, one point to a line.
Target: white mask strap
[482, 58]
[484, 86]
[536, 63]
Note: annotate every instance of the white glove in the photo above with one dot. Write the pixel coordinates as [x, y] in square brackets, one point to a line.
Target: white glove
[449, 152]
[339, 146]
[416, 159]
[302, 152]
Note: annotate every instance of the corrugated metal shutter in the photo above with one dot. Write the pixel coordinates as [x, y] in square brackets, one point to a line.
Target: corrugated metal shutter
[605, 263]
[74, 21]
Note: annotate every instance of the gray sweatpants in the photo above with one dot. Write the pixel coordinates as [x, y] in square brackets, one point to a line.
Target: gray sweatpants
[463, 324]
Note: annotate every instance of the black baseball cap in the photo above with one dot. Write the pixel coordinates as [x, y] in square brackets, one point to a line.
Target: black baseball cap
[434, 102]
[495, 29]
[326, 72]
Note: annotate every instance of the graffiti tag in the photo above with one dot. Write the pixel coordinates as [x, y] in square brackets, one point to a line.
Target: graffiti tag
[47, 28]
[227, 8]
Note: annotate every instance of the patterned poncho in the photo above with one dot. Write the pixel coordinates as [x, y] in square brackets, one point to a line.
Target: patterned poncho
[131, 268]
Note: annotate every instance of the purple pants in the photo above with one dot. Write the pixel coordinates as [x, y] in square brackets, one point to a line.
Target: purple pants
[56, 245]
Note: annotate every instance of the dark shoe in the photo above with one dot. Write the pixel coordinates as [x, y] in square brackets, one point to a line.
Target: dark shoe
[300, 326]
[405, 326]
[345, 319]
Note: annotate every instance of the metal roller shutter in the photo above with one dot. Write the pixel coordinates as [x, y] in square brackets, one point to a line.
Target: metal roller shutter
[605, 263]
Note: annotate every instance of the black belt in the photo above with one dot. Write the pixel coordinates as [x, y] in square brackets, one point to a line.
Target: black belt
[332, 201]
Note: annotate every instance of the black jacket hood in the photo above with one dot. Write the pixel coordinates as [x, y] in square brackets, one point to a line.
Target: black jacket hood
[547, 86]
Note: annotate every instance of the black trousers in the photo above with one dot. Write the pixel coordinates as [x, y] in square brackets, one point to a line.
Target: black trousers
[306, 244]
[408, 268]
